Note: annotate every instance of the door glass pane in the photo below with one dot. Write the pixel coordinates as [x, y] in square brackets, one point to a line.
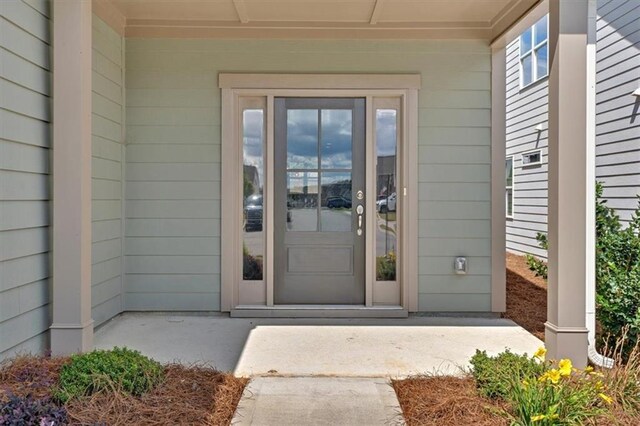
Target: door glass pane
[302, 201]
[335, 209]
[252, 187]
[386, 202]
[337, 127]
[302, 139]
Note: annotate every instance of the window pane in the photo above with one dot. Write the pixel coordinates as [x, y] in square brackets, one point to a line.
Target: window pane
[509, 171]
[509, 195]
[386, 202]
[527, 70]
[335, 209]
[540, 31]
[525, 42]
[336, 138]
[253, 172]
[302, 139]
[542, 61]
[302, 201]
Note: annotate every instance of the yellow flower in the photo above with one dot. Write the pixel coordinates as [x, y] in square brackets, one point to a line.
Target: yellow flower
[553, 376]
[565, 367]
[540, 353]
[525, 383]
[588, 370]
[538, 418]
[605, 398]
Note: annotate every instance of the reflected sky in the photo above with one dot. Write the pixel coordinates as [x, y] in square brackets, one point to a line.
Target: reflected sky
[252, 139]
[386, 123]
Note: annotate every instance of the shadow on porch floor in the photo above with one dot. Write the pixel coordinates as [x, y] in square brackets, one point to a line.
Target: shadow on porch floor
[316, 347]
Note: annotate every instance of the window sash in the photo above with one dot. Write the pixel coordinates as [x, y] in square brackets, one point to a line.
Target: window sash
[533, 51]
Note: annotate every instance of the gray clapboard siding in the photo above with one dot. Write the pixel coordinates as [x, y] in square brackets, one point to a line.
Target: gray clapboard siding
[107, 170]
[618, 113]
[25, 115]
[526, 109]
[173, 160]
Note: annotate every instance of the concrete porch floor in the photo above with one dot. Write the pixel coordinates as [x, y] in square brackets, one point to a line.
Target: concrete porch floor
[316, 347]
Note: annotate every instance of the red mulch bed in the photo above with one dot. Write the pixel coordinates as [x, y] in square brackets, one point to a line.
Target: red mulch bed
[526, 296]
[188, 395]
[445, 401]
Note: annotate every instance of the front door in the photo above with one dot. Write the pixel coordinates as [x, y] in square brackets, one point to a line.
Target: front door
[319, 183]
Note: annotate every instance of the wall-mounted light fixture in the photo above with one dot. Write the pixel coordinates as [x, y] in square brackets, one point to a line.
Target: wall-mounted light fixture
[636, 93]
[539, 127]
[460, 265]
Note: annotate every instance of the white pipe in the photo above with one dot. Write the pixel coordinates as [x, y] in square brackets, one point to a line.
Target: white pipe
[595, 357]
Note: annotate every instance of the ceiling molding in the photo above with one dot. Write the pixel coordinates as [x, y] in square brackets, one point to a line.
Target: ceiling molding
[110, 14]
[377, 11]
[509, 17]
[241, 10]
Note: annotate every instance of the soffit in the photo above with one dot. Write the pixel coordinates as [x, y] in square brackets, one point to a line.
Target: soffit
[318, 18]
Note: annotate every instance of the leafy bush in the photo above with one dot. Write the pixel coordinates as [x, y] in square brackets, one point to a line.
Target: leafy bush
[126, 369]
[494, 375]
[17, 411]
[251, 265]
[539, 266]
[560, 396]
[617, 273]
[386, 267]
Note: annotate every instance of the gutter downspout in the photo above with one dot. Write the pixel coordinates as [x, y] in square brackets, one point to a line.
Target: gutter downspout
[595, 357]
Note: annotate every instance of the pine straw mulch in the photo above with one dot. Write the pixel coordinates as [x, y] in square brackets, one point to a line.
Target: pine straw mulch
[445, 401]
[187, 396]
[526, 296]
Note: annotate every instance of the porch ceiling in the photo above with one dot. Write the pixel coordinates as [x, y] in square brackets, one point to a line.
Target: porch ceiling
[482, 19]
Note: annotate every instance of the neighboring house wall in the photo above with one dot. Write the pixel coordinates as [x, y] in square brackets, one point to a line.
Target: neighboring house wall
[618, 113]
[526, 110]
[617, 126]
[25, 142]
[173, 160]
[107, 170]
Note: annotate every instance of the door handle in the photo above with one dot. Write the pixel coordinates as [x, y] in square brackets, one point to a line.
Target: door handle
[360, 213]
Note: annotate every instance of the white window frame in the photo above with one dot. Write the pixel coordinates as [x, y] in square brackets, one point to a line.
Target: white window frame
[509, 187]
[533, 151]
[533, 52]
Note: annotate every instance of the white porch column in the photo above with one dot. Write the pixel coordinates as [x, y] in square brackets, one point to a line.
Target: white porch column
[72, 328]
[570, 198]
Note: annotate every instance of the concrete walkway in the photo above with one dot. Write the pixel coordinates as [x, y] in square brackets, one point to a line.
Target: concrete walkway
[317, 371]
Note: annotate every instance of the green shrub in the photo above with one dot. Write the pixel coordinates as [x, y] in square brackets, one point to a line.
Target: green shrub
[539, 266]
[124, 369]
[617, 273]
[386, 267]
[494, 375]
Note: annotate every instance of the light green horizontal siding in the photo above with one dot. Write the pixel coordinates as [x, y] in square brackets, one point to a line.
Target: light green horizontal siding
[107, 171]
[25, 116]
[173, 159]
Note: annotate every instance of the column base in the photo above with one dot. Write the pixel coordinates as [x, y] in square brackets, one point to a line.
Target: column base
[567, 342]
[67, 339]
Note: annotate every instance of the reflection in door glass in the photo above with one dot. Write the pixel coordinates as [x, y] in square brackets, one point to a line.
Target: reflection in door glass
[386, 202]
[252, 187]
[335, 209]
[302, 201]
[337, 127]
[302, 139]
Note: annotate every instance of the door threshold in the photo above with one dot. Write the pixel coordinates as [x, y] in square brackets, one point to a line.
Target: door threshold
[319, 311]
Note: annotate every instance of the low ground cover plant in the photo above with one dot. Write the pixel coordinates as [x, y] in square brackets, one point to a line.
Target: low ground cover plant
[123, 368]
[20, 411]
[541, 392]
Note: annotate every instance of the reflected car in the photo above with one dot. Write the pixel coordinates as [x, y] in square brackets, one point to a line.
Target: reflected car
[253, 213]
[387, 204]
[338, 203]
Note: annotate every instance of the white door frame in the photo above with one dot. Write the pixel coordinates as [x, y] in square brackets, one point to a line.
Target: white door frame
[241, 91]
